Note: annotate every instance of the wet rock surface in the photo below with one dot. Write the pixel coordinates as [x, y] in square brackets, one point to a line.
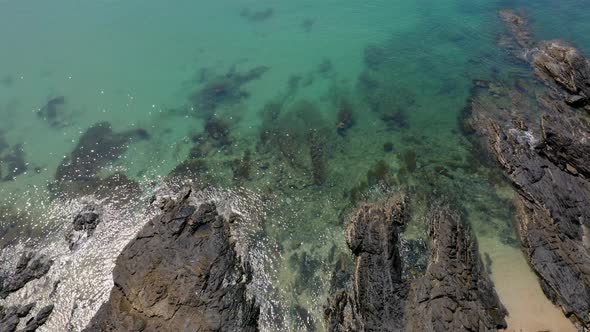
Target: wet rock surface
[83, 226]
[454, 294]
[29, 266]
[181, 273]
[542, 147]
[563, 65]
[376, 300]
[10, 317]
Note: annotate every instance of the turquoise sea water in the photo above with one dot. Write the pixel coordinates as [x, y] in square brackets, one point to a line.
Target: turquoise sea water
[309, 97]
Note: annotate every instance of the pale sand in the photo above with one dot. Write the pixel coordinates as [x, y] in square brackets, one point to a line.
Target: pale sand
[519, 290]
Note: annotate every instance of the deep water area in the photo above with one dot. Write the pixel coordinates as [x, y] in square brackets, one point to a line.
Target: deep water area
[293, 111]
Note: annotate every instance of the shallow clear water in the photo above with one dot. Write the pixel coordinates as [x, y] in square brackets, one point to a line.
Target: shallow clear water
[403, 69]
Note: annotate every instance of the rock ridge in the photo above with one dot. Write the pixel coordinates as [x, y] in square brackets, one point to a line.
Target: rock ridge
[454, 293]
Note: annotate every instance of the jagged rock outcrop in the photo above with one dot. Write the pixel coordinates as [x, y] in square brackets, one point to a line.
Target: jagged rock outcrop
[557, 62]
[454, 294]
[375, 301]
[30, 266]
[10, 317]
[566, 138]
[543, 149]
[83, 226]
[181, 273]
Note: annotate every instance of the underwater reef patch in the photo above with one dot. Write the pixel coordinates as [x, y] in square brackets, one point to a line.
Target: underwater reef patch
[52, 111]
[97, 146]
[224, 90]
[12, 163]
[255, 16]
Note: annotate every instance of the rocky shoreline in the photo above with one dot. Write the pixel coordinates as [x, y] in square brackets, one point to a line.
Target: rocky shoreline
[183, 271]
[538, 130]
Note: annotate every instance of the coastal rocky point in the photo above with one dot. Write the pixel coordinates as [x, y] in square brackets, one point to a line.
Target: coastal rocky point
[538, 131]
[455, 292]
[181, 273]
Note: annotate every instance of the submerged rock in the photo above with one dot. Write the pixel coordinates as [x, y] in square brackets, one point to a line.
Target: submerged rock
[518, 26]
[98, 146]
[225, 89]
[14, 162]
[181, 273]
[454, 294]
[80, 173]
[257, 15]
[52, 110]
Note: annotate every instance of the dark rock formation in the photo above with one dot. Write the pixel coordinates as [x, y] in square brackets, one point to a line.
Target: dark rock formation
[83, 226]
[553, 217]
[11, 316]
[559, 63]
[373, 239]
[454, 294]
[542, 146]
[181, 273]
[30, 266]
[34, 323]
[566, 137]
